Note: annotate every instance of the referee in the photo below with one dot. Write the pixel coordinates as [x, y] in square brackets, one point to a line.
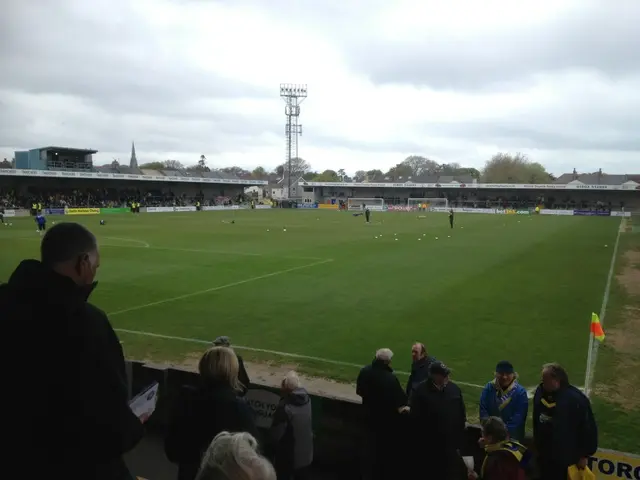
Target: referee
[451, 217]
[367, 214]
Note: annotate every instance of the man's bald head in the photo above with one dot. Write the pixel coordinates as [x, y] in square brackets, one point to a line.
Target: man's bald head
[71, 250]
[66, 242]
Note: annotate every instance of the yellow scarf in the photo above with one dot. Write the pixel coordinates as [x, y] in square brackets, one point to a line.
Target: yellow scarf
[516, 449]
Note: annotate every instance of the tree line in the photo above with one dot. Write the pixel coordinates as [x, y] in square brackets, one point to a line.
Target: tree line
[501, 168]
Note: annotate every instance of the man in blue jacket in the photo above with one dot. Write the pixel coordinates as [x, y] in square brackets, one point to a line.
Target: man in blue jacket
[505, 398]
[564, 428]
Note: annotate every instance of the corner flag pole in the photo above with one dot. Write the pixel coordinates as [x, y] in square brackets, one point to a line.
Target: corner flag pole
[589, 371]
[596, 333]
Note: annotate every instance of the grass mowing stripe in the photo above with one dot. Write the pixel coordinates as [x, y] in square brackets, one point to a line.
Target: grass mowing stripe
[262, 350]
[212, 252]
[219, 287]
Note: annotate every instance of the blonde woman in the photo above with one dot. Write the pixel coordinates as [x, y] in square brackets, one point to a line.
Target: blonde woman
[200, 413]
[234, 456]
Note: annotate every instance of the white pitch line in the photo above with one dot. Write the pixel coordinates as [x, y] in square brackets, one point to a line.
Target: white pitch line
[263, 350]
[220, 287]
[132, 240]
[607, 288]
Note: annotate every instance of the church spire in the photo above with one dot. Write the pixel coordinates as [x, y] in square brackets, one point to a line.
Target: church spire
[133, 163]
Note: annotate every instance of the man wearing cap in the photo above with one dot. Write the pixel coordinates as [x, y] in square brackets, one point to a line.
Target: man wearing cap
[438, 420]
[505, 398]
[243, 376]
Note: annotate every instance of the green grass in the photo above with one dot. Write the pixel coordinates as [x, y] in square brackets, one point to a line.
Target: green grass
[502, 287]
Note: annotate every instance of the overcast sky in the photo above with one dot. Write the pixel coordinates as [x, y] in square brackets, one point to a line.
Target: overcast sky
[456, 81]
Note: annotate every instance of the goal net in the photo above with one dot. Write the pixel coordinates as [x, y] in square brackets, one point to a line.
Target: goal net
[427, 204]
[362, 203]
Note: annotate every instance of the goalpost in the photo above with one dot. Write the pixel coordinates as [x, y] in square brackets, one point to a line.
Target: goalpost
[376, 204]
[427, 204]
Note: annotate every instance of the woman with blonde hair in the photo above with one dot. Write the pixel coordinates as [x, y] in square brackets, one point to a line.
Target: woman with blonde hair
[200, 413]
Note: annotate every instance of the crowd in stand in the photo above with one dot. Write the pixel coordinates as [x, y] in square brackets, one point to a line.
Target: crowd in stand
[69, 415]
[103, 198]
[106, 198]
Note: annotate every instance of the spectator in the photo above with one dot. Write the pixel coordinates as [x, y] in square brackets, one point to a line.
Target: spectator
[504, 397]
[200, 413]
[438, 420]
[419, 366]
[291, 432]
[243, 376]
[383, 401]
[505, 459]
[234, 456]
[564, 428]
[70, 410]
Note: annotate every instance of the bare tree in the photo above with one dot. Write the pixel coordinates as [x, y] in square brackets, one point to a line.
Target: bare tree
[299, 167]
[360, 176]
[173, 165]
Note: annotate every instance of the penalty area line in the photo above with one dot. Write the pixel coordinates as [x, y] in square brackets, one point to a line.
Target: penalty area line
[263, 350]
[219, 287]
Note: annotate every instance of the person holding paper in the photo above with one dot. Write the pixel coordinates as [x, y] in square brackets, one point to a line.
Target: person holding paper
[68, 416]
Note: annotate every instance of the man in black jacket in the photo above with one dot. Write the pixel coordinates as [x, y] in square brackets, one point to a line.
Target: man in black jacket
[384, 402]
[438, 419]
[419, 367]
[67, 415]
[564, 428]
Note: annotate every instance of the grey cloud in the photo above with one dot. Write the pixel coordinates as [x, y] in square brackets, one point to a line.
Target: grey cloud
[334, 141]
[122, 69]
[597, 36]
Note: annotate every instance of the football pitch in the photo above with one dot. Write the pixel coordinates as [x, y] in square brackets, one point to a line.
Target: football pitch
[322, 290]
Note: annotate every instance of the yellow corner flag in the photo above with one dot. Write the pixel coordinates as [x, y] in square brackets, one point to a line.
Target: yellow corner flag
[596, 327]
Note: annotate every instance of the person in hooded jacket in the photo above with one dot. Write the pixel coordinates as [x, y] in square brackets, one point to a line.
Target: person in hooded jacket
[421, 362]
[200, 413]
[291, 432]
[69, 410]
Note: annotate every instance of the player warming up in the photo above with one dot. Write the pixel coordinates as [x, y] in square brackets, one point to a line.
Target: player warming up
[367, 214]
[451, 217]
[41, 222]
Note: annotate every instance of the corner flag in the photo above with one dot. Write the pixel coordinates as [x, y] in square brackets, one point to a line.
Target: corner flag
[596, 327]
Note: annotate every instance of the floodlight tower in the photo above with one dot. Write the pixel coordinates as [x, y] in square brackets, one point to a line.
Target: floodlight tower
[293, 95]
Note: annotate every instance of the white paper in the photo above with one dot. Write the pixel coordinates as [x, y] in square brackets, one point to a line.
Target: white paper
[144, 404]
